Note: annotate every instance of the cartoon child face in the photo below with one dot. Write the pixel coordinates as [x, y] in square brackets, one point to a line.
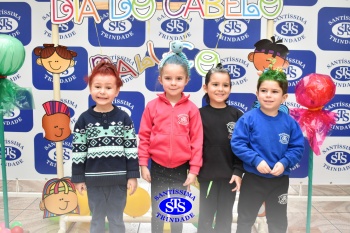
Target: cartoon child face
[56, 126]
[55, 64]
[262, 61]
[61, 202]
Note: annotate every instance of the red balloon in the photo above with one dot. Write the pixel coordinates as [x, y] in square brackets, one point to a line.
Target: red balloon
[17, 229]
[314, 90]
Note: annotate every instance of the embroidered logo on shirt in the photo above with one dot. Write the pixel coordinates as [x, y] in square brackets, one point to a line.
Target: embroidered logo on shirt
[284, 138]
[283, 199]
[183, 119]
[230, 127]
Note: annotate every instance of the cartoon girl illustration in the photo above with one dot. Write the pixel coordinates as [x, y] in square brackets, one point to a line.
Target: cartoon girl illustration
[55, 59]
[59, 197]
[56, 121]
[267, 52]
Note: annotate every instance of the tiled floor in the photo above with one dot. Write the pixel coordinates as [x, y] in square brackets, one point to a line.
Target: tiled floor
[328, 215]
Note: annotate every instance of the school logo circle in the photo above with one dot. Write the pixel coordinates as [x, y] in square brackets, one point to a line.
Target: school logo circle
[183, 119]
[237, 69]
[174, 29]
[176, 208]
[337, 158]
[13, 153]
[290, 28]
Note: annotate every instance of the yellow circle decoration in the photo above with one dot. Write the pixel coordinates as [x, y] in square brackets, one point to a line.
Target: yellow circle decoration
[137, 204]
[83, 203]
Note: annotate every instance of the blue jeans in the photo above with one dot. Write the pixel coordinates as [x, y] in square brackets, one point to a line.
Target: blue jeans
[107, 201]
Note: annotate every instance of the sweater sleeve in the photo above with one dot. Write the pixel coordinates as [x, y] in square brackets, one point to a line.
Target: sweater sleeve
[196, 137]
[144, 136]
[240, 143]
[130, 150]
[238, 169]
[295, 149]
[79, 152]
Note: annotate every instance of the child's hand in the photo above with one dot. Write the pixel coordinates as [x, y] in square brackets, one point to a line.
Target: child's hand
[80, 187]
[238, 181]
[146, 175]
[263, 167]
[132, 185]
[278, 169]
[191, 178]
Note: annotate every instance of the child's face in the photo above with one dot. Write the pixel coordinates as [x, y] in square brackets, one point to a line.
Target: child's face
[218, 89]
[270, 96]
[103, 90]
[174, 79]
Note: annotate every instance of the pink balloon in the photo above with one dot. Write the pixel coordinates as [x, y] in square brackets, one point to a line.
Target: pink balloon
[5, 230]
[17, 229]
[2, 225]
[314, 90]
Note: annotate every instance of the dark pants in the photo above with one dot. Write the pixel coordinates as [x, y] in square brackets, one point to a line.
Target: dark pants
[107, 201]
[162, 179]
[220, 202]
[254, 191]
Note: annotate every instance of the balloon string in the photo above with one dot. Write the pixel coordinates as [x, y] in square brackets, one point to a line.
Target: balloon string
[217, 43]
[98, 38]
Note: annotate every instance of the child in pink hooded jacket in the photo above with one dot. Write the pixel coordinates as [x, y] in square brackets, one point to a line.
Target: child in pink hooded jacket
[171, 135]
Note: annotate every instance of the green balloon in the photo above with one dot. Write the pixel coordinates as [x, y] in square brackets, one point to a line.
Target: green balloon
[15, 224]
[12, 54]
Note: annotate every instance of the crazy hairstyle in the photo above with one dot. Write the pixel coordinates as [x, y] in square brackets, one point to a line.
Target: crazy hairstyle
[53, 107]
[104, 68]
[218, 69]
[175, 56]
[274, 75]
[49, 49]
[271, 46]
[55, 186]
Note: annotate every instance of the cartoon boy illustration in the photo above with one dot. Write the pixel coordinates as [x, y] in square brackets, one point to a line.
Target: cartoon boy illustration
[268, 52]
[59, 197]
[55, 59]
[56, 121]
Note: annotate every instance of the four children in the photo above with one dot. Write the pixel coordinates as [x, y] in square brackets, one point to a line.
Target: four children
[216, 143]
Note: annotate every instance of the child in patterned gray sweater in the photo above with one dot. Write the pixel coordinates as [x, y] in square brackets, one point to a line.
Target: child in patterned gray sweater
[105, 160]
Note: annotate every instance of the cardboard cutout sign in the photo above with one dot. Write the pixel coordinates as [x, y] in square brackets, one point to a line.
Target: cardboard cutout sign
[55, 59]
[59, 197]
[56, 121]
[269, 52]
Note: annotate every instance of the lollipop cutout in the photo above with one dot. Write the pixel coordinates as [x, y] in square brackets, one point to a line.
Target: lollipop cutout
[313, 92]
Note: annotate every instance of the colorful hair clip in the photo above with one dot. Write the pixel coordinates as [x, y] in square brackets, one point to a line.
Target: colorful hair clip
[176, 46]
[272, 61]
[279, 69]
[176, 50]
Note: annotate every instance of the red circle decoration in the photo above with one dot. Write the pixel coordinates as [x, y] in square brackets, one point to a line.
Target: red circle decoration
[315, 90]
